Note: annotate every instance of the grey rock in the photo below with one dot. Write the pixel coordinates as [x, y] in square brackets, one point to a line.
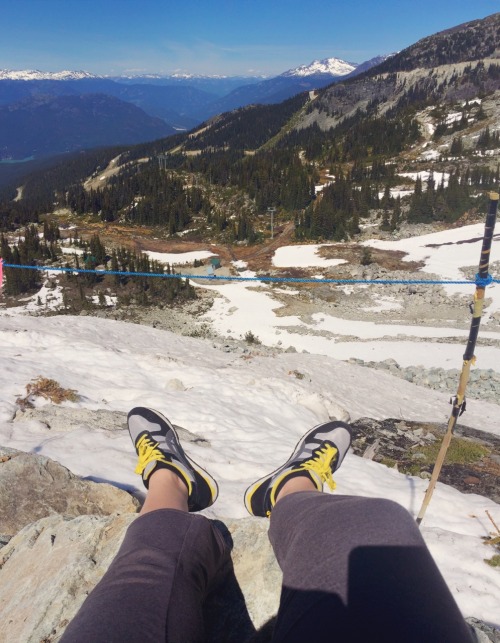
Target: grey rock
[484, 633]
[33, 486]
[4, 539]
[48, 569]
[66, 419]
[483, 384]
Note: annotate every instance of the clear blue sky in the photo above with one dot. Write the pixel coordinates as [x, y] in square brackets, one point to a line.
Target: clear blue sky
[216, 36]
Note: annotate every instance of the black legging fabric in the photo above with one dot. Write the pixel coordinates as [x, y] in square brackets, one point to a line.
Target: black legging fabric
[354, 570]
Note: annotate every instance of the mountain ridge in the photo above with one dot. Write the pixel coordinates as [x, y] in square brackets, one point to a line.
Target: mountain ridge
[52, 125]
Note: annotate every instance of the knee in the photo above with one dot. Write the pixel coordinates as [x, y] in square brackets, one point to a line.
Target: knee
[386, 510]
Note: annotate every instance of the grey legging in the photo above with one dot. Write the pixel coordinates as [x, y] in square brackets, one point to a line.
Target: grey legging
[354, 569]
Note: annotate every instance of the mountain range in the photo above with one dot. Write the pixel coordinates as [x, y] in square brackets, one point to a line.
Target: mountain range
[440, 89]
[182, 102]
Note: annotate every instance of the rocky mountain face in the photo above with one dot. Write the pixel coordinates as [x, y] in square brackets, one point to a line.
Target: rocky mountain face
[470, 41]
[457, 64]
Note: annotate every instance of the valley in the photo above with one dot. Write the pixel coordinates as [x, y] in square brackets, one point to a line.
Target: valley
[151, 273]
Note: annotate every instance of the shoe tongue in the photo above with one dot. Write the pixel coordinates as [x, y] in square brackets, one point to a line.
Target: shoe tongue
[316, 478]
[148, 469]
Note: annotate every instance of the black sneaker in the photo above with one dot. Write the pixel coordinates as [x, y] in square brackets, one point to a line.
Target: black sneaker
[158, 446]
[317, 455]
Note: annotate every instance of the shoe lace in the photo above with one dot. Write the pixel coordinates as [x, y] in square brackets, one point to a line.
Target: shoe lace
[147, 451]
[321, 463]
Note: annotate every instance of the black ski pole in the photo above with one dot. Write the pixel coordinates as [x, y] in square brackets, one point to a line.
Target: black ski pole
[482, 280]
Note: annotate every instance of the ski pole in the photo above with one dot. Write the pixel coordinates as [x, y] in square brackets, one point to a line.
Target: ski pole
[482, 280]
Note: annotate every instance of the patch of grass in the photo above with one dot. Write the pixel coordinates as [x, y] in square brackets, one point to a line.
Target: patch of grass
[410, 469]
[297, 374]
[389, 462]
[48, 389]
[366, 257]
[460, 452]
[494, 561]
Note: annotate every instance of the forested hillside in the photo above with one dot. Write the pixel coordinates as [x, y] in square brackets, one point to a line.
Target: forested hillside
[325, 160]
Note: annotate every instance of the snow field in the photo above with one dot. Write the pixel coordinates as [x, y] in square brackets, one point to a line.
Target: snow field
[179, 258]
[303, 257]
[251, 411]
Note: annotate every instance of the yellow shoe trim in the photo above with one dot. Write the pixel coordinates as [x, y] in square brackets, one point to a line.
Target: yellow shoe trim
[148, 451]
[320, 464]
[278, 483]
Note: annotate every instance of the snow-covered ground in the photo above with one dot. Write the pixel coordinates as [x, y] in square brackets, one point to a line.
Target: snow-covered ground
[303, 257]
[447, 254]
[252, 409]
[438, 177]
[180, 258]
[251, 306]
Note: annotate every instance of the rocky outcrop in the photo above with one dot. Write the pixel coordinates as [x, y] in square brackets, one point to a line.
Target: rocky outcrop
[472, 464]
[483, 384]
[33, 486]
[48, 569]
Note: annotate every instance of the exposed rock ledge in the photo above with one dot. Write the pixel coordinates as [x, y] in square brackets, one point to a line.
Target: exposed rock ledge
[33, 486]
[48, 569]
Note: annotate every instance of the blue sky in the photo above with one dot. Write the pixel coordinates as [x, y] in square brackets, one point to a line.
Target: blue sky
[216, 36]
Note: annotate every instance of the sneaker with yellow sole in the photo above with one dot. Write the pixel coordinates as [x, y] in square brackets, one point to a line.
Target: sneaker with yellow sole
[317, 455]
[158, 447]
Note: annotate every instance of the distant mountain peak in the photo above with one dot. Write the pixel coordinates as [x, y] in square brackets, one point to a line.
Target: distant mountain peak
[186, 75]
[330, 66]
[35, 74]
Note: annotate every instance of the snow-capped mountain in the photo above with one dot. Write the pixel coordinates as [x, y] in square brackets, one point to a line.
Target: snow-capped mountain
[331, 66]
[35, 74]
[186, 75]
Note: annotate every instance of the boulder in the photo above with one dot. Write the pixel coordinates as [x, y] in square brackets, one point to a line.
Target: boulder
[48, 569]
[66, 419]
[33, 486]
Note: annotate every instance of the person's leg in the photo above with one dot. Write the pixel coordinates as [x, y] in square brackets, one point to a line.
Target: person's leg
[357, 569]
[169, 560]
[154, 589]
[354, 569]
